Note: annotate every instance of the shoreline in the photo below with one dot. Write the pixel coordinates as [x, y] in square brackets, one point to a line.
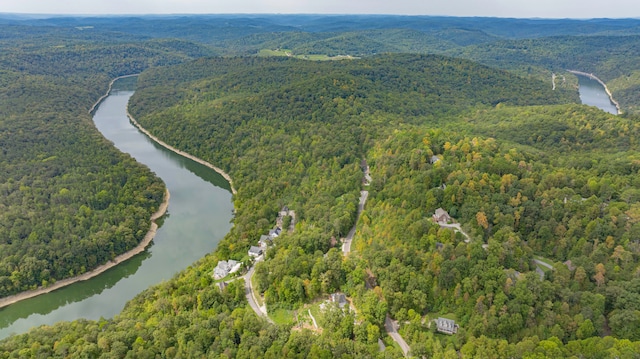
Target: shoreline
[95, 105]
[162, 209]
[606, 89]
[224, 174]
[151, 233]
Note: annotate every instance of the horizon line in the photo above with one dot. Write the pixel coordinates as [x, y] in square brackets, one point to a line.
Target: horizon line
[45, 15]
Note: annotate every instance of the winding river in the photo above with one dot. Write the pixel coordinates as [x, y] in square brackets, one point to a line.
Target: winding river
[592, 93]
[198, 217]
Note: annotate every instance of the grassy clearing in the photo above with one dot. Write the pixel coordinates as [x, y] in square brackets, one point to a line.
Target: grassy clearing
[310, 57]
[282, 316]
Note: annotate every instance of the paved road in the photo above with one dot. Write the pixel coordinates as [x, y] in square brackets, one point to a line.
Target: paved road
[392, 329]
[539, 262]
[248, 291]
[540, 271]
[346, 246]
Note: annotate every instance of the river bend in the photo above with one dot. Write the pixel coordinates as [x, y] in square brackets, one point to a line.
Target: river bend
[199, 216]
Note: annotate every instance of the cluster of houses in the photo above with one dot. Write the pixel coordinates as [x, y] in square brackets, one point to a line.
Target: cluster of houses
[265, 241]
[224, 268]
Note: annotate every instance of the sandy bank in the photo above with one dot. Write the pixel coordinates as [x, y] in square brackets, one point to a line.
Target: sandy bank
[88, 275]
[224, 174]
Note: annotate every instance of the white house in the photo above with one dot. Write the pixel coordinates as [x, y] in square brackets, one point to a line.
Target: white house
[225, 268]
[255, 252]
[447, 326]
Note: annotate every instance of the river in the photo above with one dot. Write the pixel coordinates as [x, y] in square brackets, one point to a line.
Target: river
[198, 217]
[593, 93]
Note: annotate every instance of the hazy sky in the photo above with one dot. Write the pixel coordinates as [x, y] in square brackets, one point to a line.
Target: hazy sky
[500, 8]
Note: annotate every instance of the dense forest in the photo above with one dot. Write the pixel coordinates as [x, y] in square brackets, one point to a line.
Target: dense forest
[530, 176]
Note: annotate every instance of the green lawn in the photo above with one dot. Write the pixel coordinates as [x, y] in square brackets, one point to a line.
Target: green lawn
[282, 316]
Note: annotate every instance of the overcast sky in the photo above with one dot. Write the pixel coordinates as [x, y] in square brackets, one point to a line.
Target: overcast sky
[499, 8]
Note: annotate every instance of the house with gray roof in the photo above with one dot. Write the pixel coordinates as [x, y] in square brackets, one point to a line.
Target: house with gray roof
[340, 299]
[255, 252]
[446, 326]
[264, 241]
[441, 216]
[224, 268]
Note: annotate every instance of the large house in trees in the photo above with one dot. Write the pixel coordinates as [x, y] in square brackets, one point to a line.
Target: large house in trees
[446, 326]
[441, 216]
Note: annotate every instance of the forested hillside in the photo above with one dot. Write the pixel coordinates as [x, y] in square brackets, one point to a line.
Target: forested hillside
[70, 201]
[293, 133]
[544, 263]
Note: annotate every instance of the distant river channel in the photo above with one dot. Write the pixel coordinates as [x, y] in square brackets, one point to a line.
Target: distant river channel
[592, 93]
[199, 215]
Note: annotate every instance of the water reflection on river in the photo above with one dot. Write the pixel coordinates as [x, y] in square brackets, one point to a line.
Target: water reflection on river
[593, 93]
[199, 216]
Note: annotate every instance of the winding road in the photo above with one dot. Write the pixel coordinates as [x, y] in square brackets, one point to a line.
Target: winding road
[392, 329]
[346, 245]
[261, 311]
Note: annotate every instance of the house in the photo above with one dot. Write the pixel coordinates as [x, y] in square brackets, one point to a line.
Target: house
[446, 326]
[367, 179]
[225, 268]
[264, 241]
[434, 159]
[441, 216]
[255, 252]
[339, 298]
[275, 232]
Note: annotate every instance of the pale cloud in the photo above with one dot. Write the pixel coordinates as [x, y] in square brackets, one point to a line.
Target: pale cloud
[500, 8]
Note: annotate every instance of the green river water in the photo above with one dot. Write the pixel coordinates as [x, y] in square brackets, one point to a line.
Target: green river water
[198, 217]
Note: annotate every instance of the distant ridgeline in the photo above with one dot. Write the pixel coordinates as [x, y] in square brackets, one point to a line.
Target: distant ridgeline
[528, 174]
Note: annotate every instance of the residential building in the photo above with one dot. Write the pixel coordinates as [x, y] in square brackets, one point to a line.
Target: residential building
[255, 252]
[224, 268]
[446, 326]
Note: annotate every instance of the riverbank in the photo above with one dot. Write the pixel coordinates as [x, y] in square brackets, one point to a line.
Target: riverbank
[224, 174]
[100, 269]
[4, 302]
[606, 89]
